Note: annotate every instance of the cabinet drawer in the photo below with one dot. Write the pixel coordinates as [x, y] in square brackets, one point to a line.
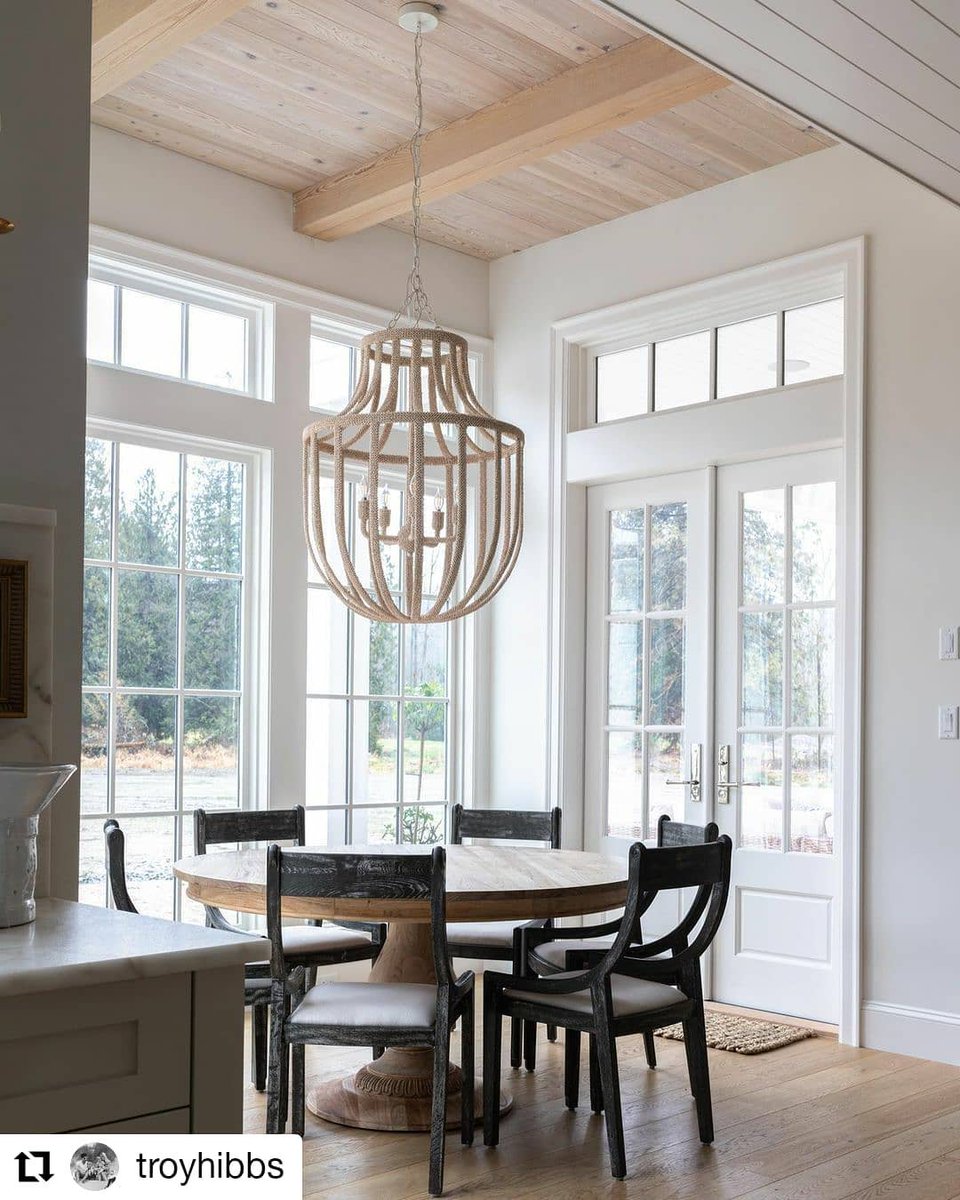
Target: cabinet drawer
[92, 1055]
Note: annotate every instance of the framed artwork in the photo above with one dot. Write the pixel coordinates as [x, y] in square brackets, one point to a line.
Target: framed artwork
[13, 638]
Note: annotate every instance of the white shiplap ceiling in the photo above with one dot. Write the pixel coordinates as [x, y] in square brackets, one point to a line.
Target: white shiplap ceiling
[883, 75]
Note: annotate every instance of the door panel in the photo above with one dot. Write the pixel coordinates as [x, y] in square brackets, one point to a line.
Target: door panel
[776, 706]
[648, 618]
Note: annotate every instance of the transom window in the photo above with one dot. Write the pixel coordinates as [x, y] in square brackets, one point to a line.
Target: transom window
[165, 612]
[794, 345]
[162, 325]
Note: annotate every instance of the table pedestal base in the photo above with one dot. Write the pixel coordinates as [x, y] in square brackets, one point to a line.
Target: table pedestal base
[394, 1092]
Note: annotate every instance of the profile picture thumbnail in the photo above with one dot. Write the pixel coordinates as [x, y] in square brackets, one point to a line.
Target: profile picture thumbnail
[94, 1166]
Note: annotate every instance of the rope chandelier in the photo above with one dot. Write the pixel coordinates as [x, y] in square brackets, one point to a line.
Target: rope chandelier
[413, 494]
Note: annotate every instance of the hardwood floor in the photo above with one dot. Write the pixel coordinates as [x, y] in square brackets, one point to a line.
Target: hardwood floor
[812, 1121]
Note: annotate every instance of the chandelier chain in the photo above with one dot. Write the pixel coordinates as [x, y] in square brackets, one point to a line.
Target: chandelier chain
[416, 304]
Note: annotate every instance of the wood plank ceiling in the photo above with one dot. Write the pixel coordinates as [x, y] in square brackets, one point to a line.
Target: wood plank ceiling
[292, 92]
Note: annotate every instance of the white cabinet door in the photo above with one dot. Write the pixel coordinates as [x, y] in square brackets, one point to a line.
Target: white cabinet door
[777, 740]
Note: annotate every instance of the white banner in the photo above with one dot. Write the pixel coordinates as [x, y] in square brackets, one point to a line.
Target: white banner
[229, 1167]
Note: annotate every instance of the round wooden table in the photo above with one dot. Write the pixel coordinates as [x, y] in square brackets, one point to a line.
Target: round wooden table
[484, 883]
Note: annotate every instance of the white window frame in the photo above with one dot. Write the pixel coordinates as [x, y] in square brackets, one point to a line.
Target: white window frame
[127, 272]
[624, 449]
[254, 615]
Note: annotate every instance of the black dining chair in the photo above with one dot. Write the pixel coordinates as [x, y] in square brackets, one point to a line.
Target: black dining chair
[500, 940]
[256, 988]
[350, 1014]
[547, 957]
[312, 945]
[623, 989]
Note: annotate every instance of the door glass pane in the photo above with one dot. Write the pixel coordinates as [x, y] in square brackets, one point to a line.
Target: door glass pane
[211, 752]
[146, 629]
[424, 751]
[146, 755]
[96, 625]
[375, 732]
[623, 383]
[747, 357]
[664, 761]
[216, 348]
[625, 673]
[682, 371]
[763, 546]
[93, 752]
[326, 752]
[97, 504]
[668, 556]
[101, 319]
[626, 560]
[815, 541]
[625, 785]
[813, 341]
[150, 333]
[811, 794]
[762, 694]
[149, 523]
[761, 805]
[666, 671]
[212, 647]
[812, 665]
[214, 514]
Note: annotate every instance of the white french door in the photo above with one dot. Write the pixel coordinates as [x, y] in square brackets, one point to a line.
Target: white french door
[777, 739]
[712, 695]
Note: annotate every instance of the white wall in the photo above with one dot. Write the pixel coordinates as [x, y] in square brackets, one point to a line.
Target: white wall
[154, 193]
[912, 780]
[44, 97]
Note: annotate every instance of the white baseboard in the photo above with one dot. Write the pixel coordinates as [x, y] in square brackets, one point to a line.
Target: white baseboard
[921, 1032]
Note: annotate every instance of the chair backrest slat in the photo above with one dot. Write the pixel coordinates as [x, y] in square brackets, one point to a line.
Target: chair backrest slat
[217, 827]
[116, 867]
[506, 825]
[680, 833]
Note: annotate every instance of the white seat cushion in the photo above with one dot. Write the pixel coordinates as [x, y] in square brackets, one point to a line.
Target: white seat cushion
[377, 1005]
[496, 934]
[629, 996]
[316, 939]
[554, 953]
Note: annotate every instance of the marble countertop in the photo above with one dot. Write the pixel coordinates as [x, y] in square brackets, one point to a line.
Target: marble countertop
[74, 945]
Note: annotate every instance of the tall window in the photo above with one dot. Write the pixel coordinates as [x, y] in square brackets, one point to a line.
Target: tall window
[378, 718]
[163, 656]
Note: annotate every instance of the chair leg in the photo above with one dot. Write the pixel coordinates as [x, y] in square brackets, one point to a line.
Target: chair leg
[298, 1089]
[610, 1081]
[596, 1089]
[276, 1090]
[571, 1067]
[259, 1021]
[438, 1116]
[492, 1049]
[530, 1045]
[650, 1048]
[695, 1038]
[468, 1068]
[551, 1033]
[516, 1038]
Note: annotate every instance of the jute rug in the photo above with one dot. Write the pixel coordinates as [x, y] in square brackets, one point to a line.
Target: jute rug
[743, 1035]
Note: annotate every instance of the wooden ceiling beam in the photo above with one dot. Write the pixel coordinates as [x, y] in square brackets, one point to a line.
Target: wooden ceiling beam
[129, 36]
[627, 85]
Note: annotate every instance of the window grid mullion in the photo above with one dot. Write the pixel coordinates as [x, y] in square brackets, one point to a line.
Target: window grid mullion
[180, 705]
[787, 714]
[645, 697]
[113, 668]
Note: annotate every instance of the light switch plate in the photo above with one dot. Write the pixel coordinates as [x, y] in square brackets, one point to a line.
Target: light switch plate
[948, 642]
[948, 720]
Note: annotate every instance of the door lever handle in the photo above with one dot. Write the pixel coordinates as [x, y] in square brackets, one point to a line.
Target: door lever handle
[693, 783]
